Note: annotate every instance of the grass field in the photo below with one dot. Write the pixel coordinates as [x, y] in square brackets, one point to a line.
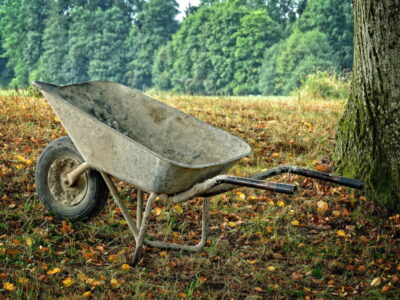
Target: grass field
[324, 242]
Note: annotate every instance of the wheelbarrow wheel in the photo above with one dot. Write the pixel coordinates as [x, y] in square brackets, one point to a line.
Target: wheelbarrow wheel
[84, 199]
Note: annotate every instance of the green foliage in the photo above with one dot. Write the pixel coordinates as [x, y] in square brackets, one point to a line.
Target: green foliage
[221, 47]
[108, 59]
[55, 37]
[154, 26]
[324, 85]
[299, 55]
[21, 27]
[217, 50]
[334, 18]
[256, 33]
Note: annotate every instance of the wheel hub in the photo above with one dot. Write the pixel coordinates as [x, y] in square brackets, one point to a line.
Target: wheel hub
[67, 196]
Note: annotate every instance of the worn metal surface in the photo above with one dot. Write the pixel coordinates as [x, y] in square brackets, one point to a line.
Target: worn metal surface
[142, 141]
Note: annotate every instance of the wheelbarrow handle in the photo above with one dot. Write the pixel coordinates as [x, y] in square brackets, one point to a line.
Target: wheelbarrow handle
[259, 184]
[349, 182]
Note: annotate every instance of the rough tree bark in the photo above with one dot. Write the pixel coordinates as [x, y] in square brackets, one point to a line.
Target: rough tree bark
[368, 140]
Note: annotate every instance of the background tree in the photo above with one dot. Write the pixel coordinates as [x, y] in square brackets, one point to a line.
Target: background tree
[334, 19]
[55, 39]
[22, 24]
[256, 33]
[368, 142]
[108, 60]
[286, 65]
[153, 28]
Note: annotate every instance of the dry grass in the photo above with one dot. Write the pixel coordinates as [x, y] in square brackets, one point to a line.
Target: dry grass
[261, 245]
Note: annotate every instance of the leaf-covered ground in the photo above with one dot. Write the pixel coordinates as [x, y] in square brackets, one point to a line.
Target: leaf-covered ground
[324, 242]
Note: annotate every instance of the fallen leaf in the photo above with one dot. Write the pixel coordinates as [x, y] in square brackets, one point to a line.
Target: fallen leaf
[322, 207]
[295, 223]
[54, 271]
[9, 286]
[115, 283]
[341, 233]
[67, 282]
[376, 282]
[28, 241]
[323, 168]
[241, 196]
[23, 280]
[232, 224]
[125, 267]
[66, 227]
[281, 203]
[276, 155]
[202, 279]
[87, 294]
[385, 288]
[178, 209]
[163, 253]
[271, 268]
[252, 262]
[157, 211]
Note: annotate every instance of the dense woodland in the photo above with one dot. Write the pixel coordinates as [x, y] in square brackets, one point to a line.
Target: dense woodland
[221, 47]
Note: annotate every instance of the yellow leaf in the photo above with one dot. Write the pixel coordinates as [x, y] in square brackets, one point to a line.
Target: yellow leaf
[87, 294]
[295, 223]
[252, 262]
[276, 155]
[322, 207]
[178, 209]
[9, 286]
[125, 267]
[281, 203]
[252, 197]
[241, 196]
[20, 158]
[28, 162]
[67, 282]
[54, 271]
[23, 280]
[157, 211]
[28, 241]
[376, 282]
[112, 258]
[271, 268]
[232, 224]
[341, 233]
[163, 253]
[56, 119]
[300, 245]
[271, 203]
[115, 283]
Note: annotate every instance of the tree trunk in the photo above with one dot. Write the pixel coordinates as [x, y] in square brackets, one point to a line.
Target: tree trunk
[368, 140]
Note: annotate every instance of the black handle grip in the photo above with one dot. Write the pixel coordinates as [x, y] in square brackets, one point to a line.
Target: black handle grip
[350, 182]
[285, 188]
[260, 184]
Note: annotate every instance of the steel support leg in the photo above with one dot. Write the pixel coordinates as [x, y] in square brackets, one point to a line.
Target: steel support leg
[139, 208]
[204, 234]
[122, 207]
[143, 227]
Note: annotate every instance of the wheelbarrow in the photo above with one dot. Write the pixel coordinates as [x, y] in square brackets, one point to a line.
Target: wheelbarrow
[115, 131]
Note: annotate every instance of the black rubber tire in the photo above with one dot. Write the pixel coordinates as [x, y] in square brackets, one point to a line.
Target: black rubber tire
[96, 194]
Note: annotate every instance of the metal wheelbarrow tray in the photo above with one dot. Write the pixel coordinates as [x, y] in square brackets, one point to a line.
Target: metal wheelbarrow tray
[158, 149]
